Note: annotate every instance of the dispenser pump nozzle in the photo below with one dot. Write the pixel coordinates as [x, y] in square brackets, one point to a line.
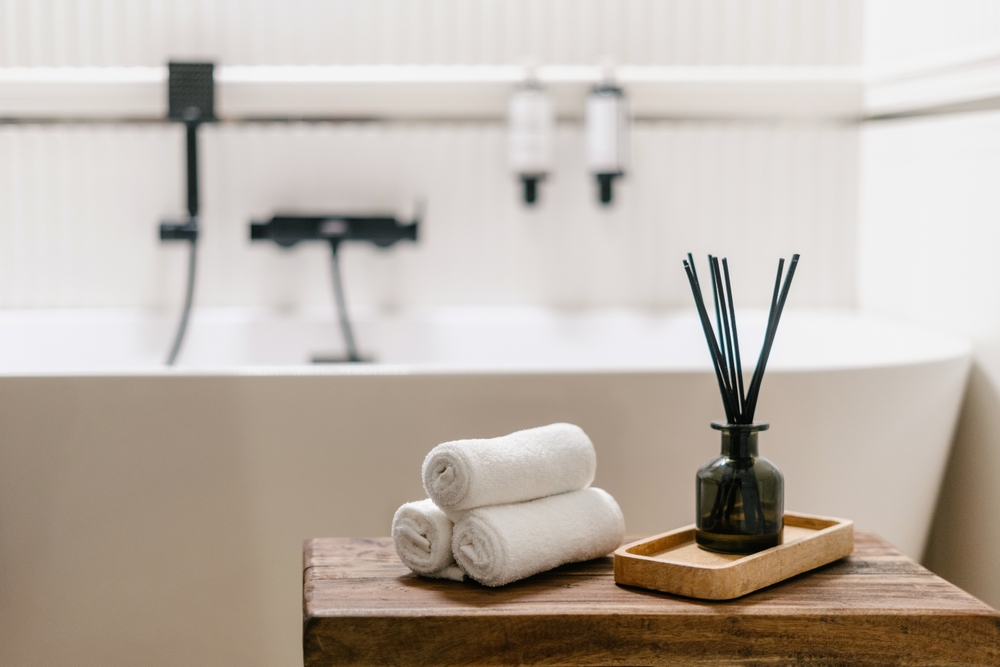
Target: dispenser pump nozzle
[530, 188]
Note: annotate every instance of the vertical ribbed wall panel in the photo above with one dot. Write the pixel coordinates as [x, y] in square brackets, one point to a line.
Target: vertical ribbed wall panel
[272, 32]
[76, 207]
[897, 31]
[80, 207]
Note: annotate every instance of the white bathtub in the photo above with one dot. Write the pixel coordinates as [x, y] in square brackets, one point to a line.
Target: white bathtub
[152, 516]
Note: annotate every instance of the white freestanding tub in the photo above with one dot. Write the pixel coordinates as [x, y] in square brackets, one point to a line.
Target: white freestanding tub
[155, 517]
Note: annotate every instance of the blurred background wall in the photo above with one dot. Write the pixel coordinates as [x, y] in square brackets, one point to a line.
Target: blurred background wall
[752, 189]
[929, 212]
[269, 32]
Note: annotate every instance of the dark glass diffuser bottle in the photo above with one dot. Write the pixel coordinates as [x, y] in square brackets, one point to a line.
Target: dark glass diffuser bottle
[740, 495]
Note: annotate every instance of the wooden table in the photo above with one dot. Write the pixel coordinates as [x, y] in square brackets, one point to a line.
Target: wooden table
[875, 607]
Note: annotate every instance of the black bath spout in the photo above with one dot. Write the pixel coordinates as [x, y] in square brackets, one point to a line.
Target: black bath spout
[287, 230]
[382, 230]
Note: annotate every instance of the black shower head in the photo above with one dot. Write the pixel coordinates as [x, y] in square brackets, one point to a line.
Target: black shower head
[191, 92]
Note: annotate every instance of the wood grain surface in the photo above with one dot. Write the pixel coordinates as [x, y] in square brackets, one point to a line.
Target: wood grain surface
[875, 607]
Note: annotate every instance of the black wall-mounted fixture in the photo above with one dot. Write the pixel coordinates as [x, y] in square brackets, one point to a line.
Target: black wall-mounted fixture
[383, 231]
[191, 100]
[287, 230]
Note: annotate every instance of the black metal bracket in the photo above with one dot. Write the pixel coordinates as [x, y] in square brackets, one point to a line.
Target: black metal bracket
[179, 231]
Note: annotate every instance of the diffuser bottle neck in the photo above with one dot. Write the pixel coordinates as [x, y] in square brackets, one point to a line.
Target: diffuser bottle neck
[739, 441]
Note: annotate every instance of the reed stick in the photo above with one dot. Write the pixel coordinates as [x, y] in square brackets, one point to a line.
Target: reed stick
[720, 351]
[769, 336]
[717, 281]
[706, 325]
[715, 298]
[736, 338]
[770, 320]
[718, 330]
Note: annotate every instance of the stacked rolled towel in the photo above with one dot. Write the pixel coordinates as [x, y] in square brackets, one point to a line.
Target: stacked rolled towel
[422, 535]
[498, 544]
[522, 504]
[525, 465]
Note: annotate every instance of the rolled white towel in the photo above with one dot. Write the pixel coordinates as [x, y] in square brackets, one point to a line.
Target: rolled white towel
[525, 465]
[422, 535]
[503, 543]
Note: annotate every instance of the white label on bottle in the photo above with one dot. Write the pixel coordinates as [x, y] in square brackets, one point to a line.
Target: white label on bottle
[531, 119]
[607, 133]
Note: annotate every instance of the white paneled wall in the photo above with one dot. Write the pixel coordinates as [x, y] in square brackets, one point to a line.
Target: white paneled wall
[79, 208]
[930, 228]
[79, 205]
[272, 32]
[899, 32]
[929, 235]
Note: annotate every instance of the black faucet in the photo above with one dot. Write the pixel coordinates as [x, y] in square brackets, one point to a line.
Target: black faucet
[382, 230]
[287, 230]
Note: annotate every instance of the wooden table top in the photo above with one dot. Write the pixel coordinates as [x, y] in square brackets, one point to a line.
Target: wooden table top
[362, 606]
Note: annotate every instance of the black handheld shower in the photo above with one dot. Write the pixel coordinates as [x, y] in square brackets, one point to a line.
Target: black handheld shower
[191, 100]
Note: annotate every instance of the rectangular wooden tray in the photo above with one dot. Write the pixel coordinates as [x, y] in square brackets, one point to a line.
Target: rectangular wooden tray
[673, 563]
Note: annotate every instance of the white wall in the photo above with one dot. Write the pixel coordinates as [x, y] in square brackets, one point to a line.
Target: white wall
[79, 208]
[79, 205]
[928, 253]
[928, 233]
[270, 32]
[902, 32]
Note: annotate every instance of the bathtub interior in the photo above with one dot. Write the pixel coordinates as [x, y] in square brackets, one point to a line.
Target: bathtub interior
[470, 338]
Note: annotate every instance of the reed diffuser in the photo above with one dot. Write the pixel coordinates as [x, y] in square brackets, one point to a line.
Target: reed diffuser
[740, 495]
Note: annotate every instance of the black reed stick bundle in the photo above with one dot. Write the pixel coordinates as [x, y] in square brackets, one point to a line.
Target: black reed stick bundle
[725, 349]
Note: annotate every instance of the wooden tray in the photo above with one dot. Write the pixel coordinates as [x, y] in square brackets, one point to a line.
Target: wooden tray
[673, 563]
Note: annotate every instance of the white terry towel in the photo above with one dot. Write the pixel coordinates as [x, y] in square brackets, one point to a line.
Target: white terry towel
[525, 465]
[422, 535]
[503, 543]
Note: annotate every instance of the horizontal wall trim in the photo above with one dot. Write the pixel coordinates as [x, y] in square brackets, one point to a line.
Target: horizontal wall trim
[438, 92]
[953, 81]
[950, 81]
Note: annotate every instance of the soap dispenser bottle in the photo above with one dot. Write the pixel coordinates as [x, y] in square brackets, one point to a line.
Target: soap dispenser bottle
[606, 121]
[531, 121]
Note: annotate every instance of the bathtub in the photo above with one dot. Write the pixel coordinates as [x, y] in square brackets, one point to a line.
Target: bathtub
[154, 516]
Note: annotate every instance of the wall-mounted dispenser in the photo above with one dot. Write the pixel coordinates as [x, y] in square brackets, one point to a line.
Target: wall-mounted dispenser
[606, 123]
[191, 100]
[382, 230]
[531, 125]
